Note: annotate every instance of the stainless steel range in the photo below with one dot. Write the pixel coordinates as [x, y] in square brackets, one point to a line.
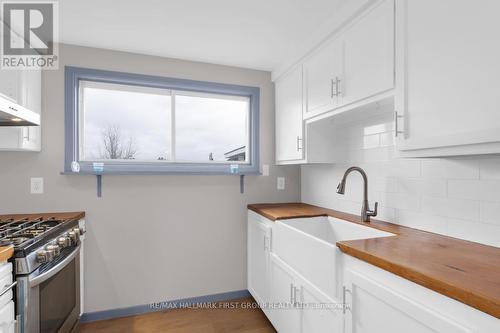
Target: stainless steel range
[47, 270]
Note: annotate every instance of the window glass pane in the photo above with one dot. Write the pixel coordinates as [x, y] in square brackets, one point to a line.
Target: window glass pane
[211, 129]
[124, 122]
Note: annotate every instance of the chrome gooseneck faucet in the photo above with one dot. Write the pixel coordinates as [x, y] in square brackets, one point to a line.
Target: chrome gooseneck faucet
[366, 213]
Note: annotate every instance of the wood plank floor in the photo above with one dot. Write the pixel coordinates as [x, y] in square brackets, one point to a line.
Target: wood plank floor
[200, 320]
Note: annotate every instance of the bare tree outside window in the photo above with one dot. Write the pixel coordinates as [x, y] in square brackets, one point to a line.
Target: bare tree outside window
[115, 146]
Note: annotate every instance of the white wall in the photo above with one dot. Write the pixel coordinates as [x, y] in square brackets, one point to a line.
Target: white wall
[459, 197]
[150, 238]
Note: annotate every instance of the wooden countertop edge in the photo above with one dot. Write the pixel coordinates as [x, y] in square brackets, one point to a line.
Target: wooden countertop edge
[61, 215]
[6, 252]
[480, 302]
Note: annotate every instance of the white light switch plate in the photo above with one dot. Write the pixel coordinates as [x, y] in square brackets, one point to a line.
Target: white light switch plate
[37, 185]
[280, 184]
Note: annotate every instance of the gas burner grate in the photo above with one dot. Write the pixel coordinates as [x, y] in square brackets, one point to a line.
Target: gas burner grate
[23, 232]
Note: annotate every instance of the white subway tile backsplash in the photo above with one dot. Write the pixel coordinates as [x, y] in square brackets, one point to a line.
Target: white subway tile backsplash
[489, 212]
[387, 139]
[386, 184]
[399, 168]
[419, 186]
[464, 189]
[395, 200]
[453, 208]
[421, 221]
[486, 190]
[474, 231]
[490, 168]
[371, 141]
[455, 196]
[450, 168]
[384, 213]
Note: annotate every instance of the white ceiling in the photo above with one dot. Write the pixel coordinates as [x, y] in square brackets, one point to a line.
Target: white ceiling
[246, 33]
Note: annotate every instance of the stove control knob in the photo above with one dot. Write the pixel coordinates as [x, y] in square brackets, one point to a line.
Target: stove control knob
[63, 241]
[73, 237]
[78, 232]
[53, 250]
[42, 257]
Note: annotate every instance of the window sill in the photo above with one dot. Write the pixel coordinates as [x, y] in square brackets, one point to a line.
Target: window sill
[159, 173]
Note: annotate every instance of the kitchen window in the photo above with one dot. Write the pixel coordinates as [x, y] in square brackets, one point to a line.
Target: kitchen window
[146, 124]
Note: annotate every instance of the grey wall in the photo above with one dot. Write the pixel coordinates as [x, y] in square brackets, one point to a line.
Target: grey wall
[150, 238]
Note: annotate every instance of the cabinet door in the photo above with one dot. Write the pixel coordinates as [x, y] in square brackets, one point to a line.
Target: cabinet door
[319, 313]
[377, 308]
[448, 73]
[369, 54]
[258, 259]
[283, 314]
[322, 79]
[289, 125]
[7, 323]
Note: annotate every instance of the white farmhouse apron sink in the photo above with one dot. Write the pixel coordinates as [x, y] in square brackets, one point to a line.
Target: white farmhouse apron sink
[309, 246]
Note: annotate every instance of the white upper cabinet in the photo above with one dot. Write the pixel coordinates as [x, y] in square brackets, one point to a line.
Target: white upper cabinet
[23, 87]
[369, 54]
[448, 68]
[356, 64]
[322, 79]
[289, 124]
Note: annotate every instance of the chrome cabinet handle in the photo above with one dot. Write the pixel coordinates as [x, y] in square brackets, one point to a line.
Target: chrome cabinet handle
[396, 126]
[7, 288]
[298, 141]
[295, 290]
[291, 293]
[344, 301]
[335, 83]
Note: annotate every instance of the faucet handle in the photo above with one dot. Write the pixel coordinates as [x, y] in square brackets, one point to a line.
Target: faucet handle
[373, 212]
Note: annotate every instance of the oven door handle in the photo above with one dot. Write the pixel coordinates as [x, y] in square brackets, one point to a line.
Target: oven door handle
[54, 270]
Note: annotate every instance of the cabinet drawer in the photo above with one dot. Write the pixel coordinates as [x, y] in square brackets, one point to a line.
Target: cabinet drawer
[7, 322]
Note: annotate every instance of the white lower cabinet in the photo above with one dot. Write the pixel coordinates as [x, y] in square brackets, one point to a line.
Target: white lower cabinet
[7, 314]
[283, 289]
[376, 300]
[298, 305]
[378, 308]
[258, 242]
[7, 323]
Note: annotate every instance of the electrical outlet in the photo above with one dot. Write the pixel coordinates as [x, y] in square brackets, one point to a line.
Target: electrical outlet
[265, 170]
[280, 184]
[37, 185]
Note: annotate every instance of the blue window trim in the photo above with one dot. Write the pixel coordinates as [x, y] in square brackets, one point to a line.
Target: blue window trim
[74, 74]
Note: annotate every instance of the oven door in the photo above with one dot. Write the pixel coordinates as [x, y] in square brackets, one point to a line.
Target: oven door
[49, 299]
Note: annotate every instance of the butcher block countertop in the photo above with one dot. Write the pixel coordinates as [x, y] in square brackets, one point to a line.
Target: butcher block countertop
[59, 216]
[466, 271]
[6, 252]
